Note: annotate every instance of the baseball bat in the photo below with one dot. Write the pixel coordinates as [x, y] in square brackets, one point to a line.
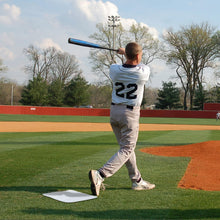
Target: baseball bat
[88, 44]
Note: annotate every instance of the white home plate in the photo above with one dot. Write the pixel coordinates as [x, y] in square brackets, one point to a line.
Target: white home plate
[69, 196]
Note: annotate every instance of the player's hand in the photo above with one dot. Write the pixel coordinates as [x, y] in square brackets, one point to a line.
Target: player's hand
[121, 51]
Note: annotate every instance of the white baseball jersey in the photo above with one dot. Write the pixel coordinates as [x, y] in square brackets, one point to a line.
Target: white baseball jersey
[128, 83]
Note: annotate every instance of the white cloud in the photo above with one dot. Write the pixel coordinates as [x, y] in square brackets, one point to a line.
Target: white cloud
[48, 42]
[13, 11]
[6, 39]
[153, 31]
[6, 53]
[127, 23]
[97, 11]
[9, 13]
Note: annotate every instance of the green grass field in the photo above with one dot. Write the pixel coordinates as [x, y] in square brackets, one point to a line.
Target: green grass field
[36, 163]
[102, 119]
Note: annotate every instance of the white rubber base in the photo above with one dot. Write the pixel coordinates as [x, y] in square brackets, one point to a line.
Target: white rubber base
[69, 196]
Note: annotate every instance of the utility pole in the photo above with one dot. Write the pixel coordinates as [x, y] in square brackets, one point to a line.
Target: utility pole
[113, 19]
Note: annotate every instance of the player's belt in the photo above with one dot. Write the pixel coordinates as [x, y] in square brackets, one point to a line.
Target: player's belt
[128, 106]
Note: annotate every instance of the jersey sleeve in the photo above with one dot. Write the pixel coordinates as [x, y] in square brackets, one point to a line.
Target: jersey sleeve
[145, 72]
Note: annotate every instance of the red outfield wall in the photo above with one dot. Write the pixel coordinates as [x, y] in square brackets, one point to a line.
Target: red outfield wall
[212, 106]
[35, 110]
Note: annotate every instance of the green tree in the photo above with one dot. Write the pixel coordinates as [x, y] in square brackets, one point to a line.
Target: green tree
[218, 93]
[100, 95]
[200, 98]
[168, 97]
[213, 94]
[76, 92]
[35, 93]
[56, 93]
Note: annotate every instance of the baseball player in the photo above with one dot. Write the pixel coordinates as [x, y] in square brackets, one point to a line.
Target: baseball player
[127, 94]
[217, 116]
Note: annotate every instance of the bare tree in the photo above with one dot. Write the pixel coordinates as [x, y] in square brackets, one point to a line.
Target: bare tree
[51, 64]
[40, 61]
[10, 92]
[64, 67]
[217, 64]
[100, 95]
[191, 50]
[2, 67]
[150, 45]
[101, 59]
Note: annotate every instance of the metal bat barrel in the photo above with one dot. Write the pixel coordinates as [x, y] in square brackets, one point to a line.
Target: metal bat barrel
[87, 44]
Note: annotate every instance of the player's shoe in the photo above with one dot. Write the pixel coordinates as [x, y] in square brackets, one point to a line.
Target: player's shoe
[96, 182]
[142, 185]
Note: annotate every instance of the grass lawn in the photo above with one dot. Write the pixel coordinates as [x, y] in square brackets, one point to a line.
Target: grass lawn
[36, 163]
[103, 119]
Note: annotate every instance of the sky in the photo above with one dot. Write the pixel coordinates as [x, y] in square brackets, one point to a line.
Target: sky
[46, 23]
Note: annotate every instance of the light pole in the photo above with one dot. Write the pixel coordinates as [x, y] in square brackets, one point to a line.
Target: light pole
[12, 94]
[113, 19]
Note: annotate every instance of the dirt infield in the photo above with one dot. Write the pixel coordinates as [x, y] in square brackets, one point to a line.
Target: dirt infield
[203, 169]
[81, 126]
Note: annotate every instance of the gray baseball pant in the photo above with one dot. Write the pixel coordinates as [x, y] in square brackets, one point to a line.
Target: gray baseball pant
[125, 124]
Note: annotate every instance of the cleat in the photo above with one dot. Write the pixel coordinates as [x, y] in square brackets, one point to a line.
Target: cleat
[96, 182]
[142, 185]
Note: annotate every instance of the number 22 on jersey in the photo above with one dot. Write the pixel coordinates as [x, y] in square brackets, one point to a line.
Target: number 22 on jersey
[128, 95]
